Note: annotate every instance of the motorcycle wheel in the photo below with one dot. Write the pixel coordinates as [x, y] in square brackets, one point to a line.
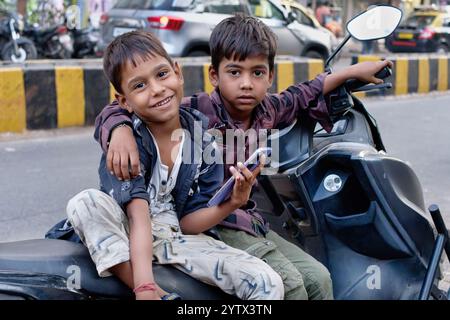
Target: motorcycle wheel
[27, 51]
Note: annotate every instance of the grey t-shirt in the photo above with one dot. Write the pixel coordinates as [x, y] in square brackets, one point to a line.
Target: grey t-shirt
[162, 204]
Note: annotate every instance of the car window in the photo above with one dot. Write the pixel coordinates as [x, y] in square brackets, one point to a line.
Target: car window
[420, 21]
[302, 17]
[145, 4]
[265, 9]
[213, 6]
[225, 6]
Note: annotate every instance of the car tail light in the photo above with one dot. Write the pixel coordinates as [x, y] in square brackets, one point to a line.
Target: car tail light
[61, 30]
[104, 18]
[166, 23]
[427, 34]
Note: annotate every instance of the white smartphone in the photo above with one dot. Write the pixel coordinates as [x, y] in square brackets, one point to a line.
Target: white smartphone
[224, 193]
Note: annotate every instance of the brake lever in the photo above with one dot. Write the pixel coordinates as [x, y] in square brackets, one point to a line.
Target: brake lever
[371, 87]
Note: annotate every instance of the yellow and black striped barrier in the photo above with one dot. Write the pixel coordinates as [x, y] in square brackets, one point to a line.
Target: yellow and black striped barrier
[45, 96]
[414, 74]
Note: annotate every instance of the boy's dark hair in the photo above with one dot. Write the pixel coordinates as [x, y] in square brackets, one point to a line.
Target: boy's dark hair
[240, 37]
[126, 48]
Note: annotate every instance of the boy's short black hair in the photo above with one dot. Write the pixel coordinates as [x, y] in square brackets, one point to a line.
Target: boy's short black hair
[126, 48]
[240, 37]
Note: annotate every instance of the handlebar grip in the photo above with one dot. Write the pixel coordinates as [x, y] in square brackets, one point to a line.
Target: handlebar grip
[354, 84]
[383, 73]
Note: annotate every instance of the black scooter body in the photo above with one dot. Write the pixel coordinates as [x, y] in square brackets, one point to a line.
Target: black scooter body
[374, 223]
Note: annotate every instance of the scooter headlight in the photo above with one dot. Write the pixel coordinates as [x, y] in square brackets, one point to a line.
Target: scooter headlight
[332, 183]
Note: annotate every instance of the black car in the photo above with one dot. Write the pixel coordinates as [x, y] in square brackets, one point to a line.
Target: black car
[423, 31]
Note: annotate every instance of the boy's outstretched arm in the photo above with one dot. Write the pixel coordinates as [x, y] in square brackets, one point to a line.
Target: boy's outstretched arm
[364, 71]
[312, 99]
[204, 219]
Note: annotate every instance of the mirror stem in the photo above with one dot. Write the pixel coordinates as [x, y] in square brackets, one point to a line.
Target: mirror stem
[333, 55]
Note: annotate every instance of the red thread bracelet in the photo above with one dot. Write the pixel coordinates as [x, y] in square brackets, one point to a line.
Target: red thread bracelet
[150, 286]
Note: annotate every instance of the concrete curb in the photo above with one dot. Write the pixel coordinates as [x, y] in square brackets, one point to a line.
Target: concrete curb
[47, 95]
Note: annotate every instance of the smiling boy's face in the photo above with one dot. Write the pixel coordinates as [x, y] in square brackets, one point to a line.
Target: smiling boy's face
[152, 89]
[242, 84]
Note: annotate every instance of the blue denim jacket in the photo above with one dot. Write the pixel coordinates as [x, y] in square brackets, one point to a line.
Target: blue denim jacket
[197, 179]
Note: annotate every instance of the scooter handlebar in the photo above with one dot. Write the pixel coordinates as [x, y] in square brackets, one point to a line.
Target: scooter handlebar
[353, 85]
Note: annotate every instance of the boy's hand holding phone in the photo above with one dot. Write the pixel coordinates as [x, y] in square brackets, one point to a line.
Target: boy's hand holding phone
[244, 181]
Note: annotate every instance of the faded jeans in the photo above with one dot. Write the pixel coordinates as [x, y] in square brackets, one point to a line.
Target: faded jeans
[103, 227]
[304, 277]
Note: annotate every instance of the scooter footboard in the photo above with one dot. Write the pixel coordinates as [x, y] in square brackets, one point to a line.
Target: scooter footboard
[368, 233]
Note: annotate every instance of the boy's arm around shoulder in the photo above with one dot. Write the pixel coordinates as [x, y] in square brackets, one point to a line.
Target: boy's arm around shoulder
[113, 115]
[109, 118]
[125, 191]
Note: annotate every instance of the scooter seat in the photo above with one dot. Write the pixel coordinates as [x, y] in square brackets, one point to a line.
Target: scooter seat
[60, 258]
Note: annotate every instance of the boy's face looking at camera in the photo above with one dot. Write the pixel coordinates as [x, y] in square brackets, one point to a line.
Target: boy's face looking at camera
[153, 89]
[242, 84]
[242, 53]
[147, 81]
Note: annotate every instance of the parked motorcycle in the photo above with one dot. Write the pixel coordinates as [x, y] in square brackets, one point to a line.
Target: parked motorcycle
[337, 195]
[53, 42]
[13, 46]
[84, 42]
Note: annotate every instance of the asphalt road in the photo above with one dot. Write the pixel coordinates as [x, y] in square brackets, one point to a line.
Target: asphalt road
[42, 171]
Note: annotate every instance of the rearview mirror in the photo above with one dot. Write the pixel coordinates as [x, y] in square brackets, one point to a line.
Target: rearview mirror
[291, 17]
[376, 23]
